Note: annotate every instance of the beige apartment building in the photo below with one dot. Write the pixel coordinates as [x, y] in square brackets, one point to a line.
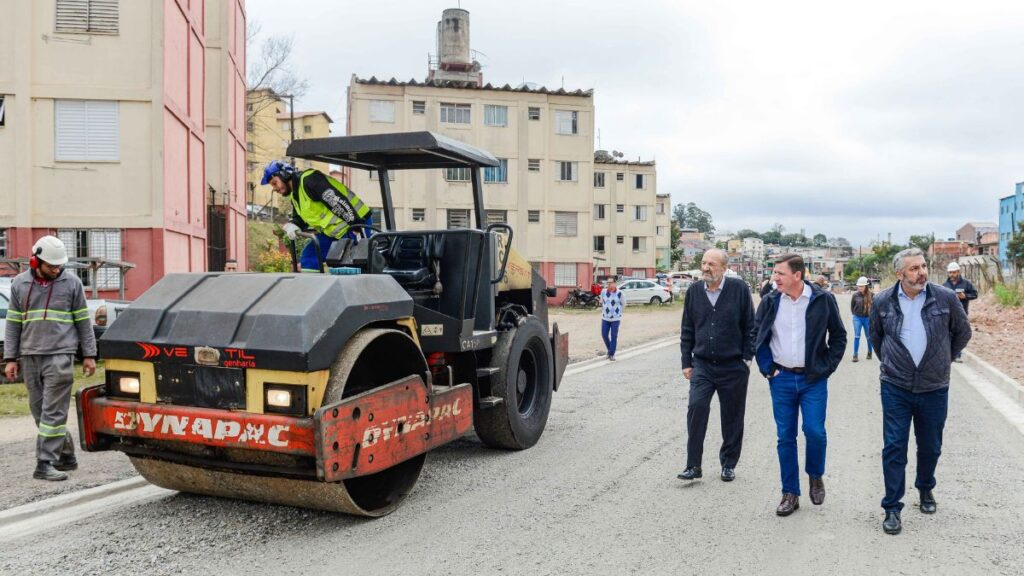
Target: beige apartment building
[118, 120]
[663, 231]
[625, 218]
[269, 130]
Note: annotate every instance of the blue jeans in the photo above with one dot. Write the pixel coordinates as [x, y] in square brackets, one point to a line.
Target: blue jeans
[610, 334]
[792, 395]
[308, 259]
[928, 413]
[860, 323]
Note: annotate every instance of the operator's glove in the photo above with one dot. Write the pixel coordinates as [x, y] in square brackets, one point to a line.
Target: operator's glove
[290, 230]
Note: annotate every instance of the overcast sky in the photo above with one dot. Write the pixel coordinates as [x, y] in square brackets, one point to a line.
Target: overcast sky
[854, 119]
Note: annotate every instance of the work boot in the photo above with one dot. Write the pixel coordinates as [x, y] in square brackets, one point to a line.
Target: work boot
[790, 503]
[817, 491]
[855, 358]
[928, 505]
[66, 463]
[46, 471]
[892, 523]
[869, 355]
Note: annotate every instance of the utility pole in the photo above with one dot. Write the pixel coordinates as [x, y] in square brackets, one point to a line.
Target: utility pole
[291, 122]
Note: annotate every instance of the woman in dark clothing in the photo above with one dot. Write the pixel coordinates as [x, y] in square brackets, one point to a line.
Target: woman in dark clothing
[861, 307]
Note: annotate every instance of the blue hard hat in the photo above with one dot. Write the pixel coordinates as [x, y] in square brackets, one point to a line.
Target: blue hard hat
[275, 168]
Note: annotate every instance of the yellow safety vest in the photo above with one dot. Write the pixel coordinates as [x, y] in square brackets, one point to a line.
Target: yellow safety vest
[318, 215]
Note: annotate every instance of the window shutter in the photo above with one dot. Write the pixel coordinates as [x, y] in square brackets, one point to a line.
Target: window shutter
[103, 16]
[87, 131]
[87, 16]
[565, 223]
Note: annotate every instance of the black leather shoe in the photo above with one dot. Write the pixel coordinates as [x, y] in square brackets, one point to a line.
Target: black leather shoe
[817, 491]
[869, 355]
[46, 471]
[728, 474]
[928, 505]
[790, 503]
[691, 473]
[66, 464]
[892, 523]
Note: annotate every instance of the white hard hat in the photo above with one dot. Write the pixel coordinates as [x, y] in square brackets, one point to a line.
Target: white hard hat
[862, 281]
[953, 267]
[51, 250]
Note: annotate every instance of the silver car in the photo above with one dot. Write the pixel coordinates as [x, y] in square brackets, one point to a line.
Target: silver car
[639, 291]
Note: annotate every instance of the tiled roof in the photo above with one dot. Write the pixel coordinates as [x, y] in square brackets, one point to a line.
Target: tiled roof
[472, 86]
[287, 115]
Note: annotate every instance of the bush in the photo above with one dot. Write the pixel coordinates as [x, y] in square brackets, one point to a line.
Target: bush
[1008, 295]
[272, 259]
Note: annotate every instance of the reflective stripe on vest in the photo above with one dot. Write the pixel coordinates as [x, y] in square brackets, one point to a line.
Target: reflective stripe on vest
[318, 216]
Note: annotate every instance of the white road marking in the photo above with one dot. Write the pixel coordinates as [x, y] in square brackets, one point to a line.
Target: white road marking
[595, 363]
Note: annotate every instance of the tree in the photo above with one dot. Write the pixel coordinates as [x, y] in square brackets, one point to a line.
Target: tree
[922, 241]
[747, 233]
[774, 236]
[697, 259]
[674, 234]
[269, 76]
[820, 240]
[1015, 248]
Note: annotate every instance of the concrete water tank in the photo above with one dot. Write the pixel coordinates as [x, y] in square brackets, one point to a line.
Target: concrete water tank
[453, 38]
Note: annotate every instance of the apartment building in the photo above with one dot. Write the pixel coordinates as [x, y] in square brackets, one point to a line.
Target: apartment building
[115, 117]
[1011, 214]
[268, 125]
[663, 231]
[546, 187]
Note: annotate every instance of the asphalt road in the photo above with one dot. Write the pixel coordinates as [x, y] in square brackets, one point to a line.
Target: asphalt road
[598, 495]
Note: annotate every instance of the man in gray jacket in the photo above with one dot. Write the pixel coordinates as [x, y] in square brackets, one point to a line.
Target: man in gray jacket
[47, 320]
[917, 328]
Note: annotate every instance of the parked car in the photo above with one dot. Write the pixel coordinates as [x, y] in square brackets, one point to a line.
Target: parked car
[642, 291]
[103, 313]
[5, 300]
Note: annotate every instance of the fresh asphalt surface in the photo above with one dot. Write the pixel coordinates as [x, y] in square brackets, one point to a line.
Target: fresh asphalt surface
[599, 495]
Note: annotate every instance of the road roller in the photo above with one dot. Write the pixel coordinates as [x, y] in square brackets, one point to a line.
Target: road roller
[327, 391]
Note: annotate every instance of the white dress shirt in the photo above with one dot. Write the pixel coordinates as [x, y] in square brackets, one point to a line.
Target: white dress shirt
[789, 332]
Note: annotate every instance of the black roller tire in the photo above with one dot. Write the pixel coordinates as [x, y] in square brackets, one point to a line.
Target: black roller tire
[524, 381]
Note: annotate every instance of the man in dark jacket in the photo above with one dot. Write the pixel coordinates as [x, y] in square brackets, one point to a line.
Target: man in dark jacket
[716, 345]
[916, 329]
[800, 342]
[963, 288]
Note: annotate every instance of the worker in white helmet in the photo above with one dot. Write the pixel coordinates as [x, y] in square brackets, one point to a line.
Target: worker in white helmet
[962, 286]
[47, 321]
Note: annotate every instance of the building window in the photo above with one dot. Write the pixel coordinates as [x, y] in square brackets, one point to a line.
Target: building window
[496, 217]
[248, 127]
[620, 271]
[565, 223]
[376, 177]
[87, 16]
[533, 165]
[250, 147]
[620, 176]
[661, 207]
[382, 111]
[566, 121]
[599, 212]
[251, 166]
[456, 174]
[307, 129]
[419, 107]
[3, 243]
[497, 173]
[455, 113]
[286, 126]
[495, 115]
[533, 113]
[641, 181]
[419, 214]
[620, 240]
[533, 216]
[565, 274]
[640, 213]
[639, 244]
[620, 208]
[661, 230]
[458, 218]
[98, 243]
[598, 243]
[598, 179]
[87, 131]
[568, 171]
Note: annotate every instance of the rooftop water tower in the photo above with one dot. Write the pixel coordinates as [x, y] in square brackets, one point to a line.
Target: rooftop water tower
[454, 61]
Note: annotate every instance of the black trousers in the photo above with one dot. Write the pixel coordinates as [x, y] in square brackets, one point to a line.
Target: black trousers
[730, 381]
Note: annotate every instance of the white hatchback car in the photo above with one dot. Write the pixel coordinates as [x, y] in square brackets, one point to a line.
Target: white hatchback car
[644, 292]
[5, 299]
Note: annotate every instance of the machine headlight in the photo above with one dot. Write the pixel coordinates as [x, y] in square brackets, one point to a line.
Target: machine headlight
[128, 385]
[284, 399]
[124, 384]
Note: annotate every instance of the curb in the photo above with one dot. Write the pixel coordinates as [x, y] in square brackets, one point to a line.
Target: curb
[1011, 387]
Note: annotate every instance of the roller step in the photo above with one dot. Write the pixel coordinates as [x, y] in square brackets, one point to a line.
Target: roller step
[486, 372]
[490, 401]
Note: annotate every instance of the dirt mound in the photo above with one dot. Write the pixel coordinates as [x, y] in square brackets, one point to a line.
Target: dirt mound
[998, 333]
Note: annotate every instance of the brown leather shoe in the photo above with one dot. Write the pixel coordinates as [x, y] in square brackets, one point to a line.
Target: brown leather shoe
[817, 491]
[789, 504]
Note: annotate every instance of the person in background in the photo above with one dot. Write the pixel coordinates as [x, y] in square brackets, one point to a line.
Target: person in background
[963, 288]
[612, 305]
[860, 305]
[767, 286]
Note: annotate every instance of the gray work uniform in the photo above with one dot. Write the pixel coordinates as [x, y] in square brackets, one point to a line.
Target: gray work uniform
[46, 322]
